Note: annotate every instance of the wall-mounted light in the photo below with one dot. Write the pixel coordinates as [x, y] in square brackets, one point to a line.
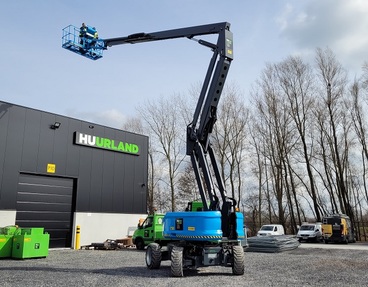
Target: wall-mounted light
[56, 125]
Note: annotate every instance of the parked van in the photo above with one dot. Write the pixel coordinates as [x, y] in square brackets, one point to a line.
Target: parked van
[337, 228]
[310, 232]
[271, 229]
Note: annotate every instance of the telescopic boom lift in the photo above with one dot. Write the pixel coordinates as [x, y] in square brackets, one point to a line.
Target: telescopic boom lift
[213, 236]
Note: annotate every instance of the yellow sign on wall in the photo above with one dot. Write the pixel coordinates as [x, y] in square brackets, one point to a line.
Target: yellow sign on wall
[51, 168]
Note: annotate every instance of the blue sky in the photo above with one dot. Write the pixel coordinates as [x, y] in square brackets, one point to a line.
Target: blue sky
[36, 72]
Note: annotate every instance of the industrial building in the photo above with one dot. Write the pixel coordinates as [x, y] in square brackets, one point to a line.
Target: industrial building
[58, 173]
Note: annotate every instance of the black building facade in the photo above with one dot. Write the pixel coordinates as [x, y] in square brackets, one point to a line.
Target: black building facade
[52, 167]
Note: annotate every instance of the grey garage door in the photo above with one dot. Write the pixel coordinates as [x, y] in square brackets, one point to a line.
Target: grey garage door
[45, 201]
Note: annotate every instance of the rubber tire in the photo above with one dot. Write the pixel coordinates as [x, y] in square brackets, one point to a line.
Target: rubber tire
[238, 260]
[139, 244]
[153, 256]
[177, 261]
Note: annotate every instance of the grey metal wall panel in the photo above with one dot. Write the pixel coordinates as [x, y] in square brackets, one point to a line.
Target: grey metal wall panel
[140, 172]
[13, 156]
[73, 151]
[129, 186]
[119, 178]
[60, 147]
[31, 140]
[109, 157]
[4, 121]
[96, 180]
[84, 194]
[47, 141]
[107, 181]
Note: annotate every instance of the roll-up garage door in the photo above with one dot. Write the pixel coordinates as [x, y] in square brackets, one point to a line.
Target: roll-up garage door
[45, 201]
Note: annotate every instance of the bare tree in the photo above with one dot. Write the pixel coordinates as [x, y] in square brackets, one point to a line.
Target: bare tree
[297, 80]
[229, 139]
[279, 137]
[259, 170]
[134, 124]
[335, 133]
[302, 133]
[360, 123]
[187, 189]
[164, 120]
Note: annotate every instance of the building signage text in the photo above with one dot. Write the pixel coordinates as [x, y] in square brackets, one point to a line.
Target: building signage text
[106, 143]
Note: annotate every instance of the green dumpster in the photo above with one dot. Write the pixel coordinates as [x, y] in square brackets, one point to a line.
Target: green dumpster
[31, 243]
[6, 240]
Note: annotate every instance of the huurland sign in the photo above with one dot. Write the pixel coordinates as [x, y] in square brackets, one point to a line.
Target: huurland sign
[106, 143]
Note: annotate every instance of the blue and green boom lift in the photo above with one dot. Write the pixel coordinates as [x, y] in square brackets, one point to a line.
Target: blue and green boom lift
[213, 236]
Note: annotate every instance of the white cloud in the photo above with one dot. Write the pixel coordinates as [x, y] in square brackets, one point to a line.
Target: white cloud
[282, 20]
[338, 24]
[111, 118]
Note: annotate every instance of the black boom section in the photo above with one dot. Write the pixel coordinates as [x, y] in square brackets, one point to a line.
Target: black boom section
[200, 129]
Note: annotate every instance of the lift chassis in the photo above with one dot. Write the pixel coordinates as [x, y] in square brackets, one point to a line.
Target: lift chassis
[215, 235]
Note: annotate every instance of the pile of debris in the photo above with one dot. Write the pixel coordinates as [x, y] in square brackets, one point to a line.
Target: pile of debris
[111, 244]
[272, 243]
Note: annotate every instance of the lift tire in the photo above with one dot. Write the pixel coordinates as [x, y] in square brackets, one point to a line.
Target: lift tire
[139, 244]
[177, 261]
[153, 256]
[238, 260]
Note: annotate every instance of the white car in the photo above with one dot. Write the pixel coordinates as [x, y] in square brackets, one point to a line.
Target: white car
[271, 229]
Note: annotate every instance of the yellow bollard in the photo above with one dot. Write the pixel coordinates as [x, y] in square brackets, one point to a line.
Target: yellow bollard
[77, 238]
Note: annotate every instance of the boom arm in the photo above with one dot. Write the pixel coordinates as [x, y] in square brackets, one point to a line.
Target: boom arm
[190, 32]
[199, 130]
[204, 118]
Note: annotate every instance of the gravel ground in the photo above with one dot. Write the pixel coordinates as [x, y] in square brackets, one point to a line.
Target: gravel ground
[126, 267]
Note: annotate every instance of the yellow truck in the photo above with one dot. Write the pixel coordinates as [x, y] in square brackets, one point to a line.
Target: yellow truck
[337, 228]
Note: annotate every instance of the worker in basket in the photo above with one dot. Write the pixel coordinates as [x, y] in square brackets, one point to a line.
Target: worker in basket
[88, 36]
[82, 33]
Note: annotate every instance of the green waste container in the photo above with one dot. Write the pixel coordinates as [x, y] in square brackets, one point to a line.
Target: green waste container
[6, 240]
[31, 243]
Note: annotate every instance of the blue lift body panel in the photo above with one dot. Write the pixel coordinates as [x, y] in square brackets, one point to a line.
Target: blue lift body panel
[198, 226]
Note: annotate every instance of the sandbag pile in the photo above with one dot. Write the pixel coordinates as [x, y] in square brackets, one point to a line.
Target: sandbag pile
[272, 243]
